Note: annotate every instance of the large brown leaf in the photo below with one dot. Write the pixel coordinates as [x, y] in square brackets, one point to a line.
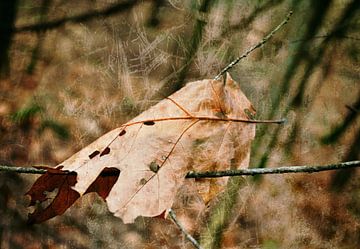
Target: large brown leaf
[197, 128]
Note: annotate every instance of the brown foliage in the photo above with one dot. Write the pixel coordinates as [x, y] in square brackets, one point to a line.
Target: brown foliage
[203, 126]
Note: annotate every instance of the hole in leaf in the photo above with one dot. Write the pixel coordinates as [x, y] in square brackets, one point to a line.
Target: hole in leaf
[104, 182]
[105, 151]
[149, 123]
[94, 154]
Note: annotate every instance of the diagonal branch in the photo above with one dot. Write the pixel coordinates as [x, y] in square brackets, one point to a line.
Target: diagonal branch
[247, 52]
[341, 128]
[182, 229]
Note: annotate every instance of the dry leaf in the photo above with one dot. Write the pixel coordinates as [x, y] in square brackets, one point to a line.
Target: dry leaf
[196, 128]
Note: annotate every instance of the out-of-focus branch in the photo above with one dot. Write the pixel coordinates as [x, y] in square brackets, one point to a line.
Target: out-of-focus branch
[111, 10]
[341, 178]
[8, 10]
[341, 128]
[247, 21]
[220, 215]
[172, 85]
[214, 174]
[317, 18]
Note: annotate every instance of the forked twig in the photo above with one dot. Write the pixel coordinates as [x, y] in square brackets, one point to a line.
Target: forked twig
[247, 52]
[182, 229]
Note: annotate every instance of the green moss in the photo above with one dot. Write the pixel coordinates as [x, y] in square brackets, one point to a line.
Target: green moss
[270, 244]
[59, 129]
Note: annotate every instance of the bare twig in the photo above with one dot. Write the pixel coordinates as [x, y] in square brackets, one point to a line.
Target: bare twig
[279, 170]
[214, 174]
[22, 170]
[182, 229]
[262, 42]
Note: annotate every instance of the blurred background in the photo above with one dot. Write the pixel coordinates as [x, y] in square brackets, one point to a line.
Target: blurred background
[72, 70]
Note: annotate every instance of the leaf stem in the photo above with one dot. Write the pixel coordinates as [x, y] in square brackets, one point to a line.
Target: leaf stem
[207, 118]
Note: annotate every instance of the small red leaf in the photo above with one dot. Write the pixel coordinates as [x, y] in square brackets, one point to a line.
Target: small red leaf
[105, 151]
[54, 178]
[64, 181]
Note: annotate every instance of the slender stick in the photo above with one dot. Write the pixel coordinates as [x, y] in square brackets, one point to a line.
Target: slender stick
[22, 170]
[214, 174]
[261, 43]
[182, 229]
[279, 170]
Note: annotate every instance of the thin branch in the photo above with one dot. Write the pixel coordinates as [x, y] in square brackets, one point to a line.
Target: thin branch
[341, 128]
[111, 10]
[261, 43]
[279, 170]
[22, 170]
[182, 229]
[214, 174]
